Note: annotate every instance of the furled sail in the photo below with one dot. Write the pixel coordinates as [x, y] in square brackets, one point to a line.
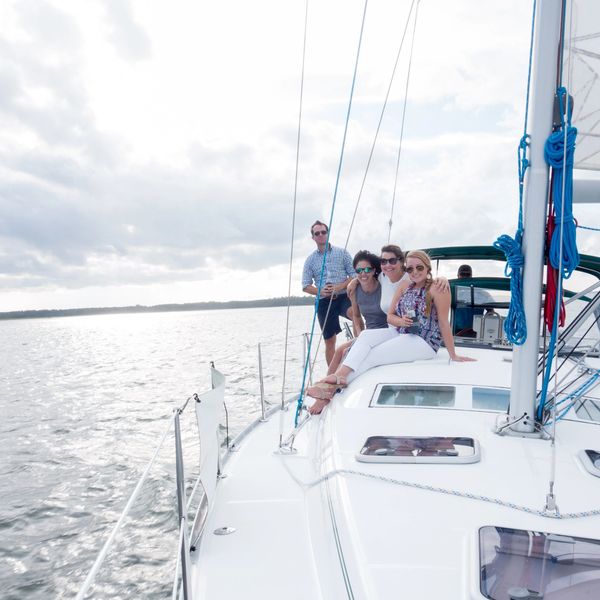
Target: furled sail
[581, 76]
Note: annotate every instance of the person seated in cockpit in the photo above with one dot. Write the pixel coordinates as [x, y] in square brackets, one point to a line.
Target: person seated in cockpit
[469, 300]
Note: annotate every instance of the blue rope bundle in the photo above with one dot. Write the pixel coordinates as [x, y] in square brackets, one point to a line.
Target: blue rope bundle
[565, 259]
[554, 153]
[515, 326]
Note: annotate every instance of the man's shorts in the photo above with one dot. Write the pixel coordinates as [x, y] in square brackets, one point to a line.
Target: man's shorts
[339, 308]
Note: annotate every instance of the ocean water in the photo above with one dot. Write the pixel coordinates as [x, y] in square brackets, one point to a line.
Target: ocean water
[83, 403]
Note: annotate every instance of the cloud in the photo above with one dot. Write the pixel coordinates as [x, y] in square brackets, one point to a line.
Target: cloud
[148, 148]
[129, 38]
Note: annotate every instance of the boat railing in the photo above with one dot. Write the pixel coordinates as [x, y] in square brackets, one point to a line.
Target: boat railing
[207, 408]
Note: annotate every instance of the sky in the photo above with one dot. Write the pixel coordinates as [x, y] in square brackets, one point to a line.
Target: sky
[148, 149]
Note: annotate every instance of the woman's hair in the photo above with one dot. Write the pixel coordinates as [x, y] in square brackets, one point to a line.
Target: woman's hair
[424, 258]
[369, 257]
[393, 249]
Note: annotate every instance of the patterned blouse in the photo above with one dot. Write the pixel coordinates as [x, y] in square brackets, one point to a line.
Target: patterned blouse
[428, 328]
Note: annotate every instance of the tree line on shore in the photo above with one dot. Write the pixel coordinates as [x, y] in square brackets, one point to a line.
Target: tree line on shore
[75, 312]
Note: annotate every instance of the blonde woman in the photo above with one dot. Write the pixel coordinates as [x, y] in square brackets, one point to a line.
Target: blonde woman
[418, 316]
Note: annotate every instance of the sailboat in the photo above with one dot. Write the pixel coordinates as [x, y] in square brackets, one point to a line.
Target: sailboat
[429, 479]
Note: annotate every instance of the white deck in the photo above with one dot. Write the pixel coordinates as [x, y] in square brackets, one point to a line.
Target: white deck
[356, 537]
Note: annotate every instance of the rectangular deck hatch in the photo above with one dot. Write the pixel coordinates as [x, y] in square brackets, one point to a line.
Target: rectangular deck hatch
[431, 449]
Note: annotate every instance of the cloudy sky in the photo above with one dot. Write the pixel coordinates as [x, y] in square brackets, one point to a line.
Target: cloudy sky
[148, 148]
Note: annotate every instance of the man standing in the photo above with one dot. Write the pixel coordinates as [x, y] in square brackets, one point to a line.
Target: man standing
[337, 274]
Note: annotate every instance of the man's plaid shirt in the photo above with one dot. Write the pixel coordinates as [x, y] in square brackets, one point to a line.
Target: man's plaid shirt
[338, 267]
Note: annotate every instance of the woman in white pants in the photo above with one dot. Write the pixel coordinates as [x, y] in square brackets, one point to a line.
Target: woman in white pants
[418, 317]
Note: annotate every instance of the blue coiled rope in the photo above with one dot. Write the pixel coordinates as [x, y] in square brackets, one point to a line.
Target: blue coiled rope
[561, 157]
[515, 326]
[562, 166]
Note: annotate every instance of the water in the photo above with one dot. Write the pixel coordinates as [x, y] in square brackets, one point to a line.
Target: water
[84, 401]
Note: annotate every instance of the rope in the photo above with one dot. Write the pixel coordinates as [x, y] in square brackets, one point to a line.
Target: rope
[559, 153]
[287, 315]
[515, 325]
[381, 115]
[402, 127]
[335, 192]
[442, 490]
[552, 278]
[89, 580]
[588, 228]
[577, 394]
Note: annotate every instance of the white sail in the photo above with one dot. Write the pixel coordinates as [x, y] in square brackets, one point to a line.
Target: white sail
[581, 76]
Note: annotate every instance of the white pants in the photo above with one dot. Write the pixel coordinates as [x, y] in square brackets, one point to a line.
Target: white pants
[375, 347]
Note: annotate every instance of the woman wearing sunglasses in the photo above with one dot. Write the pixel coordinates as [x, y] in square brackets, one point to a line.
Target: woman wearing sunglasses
[418, 319]
[392, 273]
[365, 294]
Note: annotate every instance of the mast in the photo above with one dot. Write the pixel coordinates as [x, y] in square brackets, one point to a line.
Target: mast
[547, 28]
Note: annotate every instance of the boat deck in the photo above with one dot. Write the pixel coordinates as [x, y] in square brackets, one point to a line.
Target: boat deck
[366, 532]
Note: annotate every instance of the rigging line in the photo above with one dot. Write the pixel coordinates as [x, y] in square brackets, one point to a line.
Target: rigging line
[335, 192]
[381, 115]
[550, 499]
[572, 350]
[89, 580]
[338, 542]
[585, 389]
[402, 126]
[578, 364]
[287, 315]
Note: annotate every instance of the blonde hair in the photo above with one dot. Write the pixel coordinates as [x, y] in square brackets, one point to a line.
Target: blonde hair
[424, 258]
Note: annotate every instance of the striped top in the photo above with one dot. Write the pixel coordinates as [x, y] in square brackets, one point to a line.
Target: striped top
[413, 299]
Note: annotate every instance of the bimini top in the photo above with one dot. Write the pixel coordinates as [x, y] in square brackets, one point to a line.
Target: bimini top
[587, 263]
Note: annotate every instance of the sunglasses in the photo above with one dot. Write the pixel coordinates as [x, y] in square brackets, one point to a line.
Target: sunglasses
[364, 270]
[419, 268]
[391, 261]
[316, 233]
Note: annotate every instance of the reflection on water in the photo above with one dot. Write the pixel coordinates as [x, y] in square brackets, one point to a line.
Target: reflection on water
[84, 401]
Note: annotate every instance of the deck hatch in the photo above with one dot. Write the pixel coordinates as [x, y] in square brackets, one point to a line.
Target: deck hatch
[438, 396]
[591, 461]
[528, 564]
[407, 449]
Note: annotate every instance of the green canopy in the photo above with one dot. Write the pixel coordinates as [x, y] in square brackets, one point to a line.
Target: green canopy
[587, 264]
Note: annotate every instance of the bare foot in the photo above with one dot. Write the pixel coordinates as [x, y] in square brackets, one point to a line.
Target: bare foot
[317, 407]
[334, 379]
[322, 391]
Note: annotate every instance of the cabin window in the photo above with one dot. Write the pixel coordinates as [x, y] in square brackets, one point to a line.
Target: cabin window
[591, 461]
[528, 564]
[440, 396]
[431, 449]
[490, 398]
